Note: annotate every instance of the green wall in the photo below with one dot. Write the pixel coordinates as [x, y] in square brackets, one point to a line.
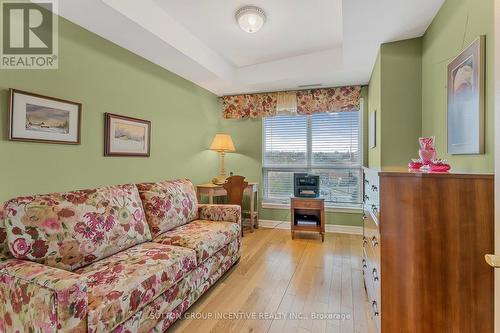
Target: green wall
[395, 93]
[374, 105]
[401, 66]
[247, 137]
[408, 87]
[107, 78]
[458, 23]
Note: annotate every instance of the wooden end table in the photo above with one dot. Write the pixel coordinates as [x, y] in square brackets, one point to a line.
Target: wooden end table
[308, 214]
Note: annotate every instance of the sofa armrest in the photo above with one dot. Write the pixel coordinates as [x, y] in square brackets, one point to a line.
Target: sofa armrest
[39, 298]
[225, 213]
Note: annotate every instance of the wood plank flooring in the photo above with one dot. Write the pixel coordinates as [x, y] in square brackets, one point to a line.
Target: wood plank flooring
[280, 282]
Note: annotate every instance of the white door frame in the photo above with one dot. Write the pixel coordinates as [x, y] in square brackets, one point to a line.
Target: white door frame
[497, 159]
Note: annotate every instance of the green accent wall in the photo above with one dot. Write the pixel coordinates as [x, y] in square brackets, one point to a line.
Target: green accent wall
[401, 66]
[408, 87]
[107, 78]
[458, 23]
[395, 93]
[374, 105]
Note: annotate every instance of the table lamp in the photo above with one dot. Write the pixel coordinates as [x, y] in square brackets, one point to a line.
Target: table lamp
[223, 144]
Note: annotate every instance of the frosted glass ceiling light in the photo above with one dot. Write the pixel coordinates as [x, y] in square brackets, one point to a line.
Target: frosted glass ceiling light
[250, 18]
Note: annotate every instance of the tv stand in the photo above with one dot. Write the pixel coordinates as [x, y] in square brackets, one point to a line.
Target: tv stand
[308, 214]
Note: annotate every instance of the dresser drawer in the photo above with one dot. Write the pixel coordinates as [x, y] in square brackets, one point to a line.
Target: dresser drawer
[370, 197]
[373, 291]
[372, 262]
[370, 224]
[371, 193]
[307, 204]
[371, 187]
[372, 210]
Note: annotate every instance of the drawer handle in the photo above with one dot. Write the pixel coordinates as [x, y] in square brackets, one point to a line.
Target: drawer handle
[366, 181]
[374, 241]
[364, 217]
[367, 198]
[375, 309]
[375, 275]
[374, 188]
[364, 263]
[365, 240]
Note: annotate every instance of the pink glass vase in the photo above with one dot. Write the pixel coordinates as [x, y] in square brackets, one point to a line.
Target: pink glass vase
[427, 155]
[427, 152]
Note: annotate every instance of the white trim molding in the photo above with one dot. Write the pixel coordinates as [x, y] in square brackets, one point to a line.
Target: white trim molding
[330, 228]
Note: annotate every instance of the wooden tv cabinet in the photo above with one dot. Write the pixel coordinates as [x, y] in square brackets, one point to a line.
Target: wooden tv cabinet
[314, 209]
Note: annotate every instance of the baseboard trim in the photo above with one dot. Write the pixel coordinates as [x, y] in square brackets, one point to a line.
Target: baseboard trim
[330, 228]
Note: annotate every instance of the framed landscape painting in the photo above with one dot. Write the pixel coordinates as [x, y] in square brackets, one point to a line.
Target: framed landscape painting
[37, 118]
[125, 136]
[466, 75]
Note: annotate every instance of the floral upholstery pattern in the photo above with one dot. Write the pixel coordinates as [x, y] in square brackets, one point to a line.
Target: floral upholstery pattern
[205, 237]
[84, 261]
[70, 230]
[167, 321]
[250, 105]
[226, 213]
[309, 101]
[147, 318]
[328, 100]
[38, 298]
[122, 284]
[168, 204]
[168, 305]
[4, 247]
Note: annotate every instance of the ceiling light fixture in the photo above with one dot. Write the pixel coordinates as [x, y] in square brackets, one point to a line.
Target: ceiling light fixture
[250, 18]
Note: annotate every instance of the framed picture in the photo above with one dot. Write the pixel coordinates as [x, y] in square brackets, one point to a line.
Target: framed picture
[125, 136]
[466, 75]
[372, 129]
[38, 118]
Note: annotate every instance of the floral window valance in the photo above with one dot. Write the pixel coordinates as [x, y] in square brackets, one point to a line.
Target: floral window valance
[303, 102]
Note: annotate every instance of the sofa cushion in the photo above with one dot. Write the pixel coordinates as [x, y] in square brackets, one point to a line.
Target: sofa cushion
[121, 285]
[72, 229]
[205, 237]
[190, 287]
[168, 204]
[4, 246]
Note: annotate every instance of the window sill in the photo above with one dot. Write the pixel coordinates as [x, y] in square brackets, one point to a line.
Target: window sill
[332, 208]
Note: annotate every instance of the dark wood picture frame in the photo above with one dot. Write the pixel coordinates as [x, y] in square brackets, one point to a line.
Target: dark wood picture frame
[11, 110]
[109, 117]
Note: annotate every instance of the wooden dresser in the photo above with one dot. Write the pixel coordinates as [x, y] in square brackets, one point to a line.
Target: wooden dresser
[425, 237]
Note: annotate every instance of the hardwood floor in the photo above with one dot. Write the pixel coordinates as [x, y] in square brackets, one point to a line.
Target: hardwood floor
[280, 277]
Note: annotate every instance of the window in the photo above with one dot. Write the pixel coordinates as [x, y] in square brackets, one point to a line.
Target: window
[325, 144]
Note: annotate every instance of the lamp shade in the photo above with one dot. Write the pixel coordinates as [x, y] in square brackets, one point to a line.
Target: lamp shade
[222, 143]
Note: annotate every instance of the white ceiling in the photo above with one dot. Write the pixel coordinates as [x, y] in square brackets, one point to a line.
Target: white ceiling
[293, 28]
[304, 42]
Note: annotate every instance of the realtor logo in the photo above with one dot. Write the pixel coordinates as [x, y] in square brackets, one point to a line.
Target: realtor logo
[29, 34]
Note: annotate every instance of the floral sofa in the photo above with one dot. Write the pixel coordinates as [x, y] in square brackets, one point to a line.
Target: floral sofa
[129, 258]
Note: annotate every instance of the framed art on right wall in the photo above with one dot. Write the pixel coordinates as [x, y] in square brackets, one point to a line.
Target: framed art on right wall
[466, 80]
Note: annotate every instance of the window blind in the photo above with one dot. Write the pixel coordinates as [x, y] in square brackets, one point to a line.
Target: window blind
[325, 144]
[285, 141]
